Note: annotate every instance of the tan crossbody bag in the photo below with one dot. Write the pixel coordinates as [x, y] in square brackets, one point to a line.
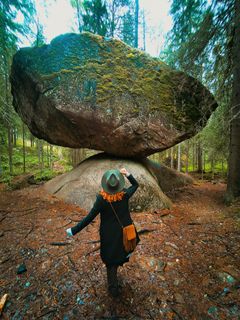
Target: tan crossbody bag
[129, 234]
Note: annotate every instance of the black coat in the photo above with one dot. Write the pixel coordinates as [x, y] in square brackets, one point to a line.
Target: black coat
[112, 250]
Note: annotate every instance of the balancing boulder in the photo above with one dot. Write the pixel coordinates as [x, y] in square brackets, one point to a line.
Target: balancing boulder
[83, 90]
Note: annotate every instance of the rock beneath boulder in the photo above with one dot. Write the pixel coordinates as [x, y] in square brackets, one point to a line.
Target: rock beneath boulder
[81, 185]
[168, 179]
[83, 90]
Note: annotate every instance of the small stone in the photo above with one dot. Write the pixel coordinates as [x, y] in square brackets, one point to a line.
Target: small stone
[176, 282]
[21, 268]
[230, 279]
[98, 308]
[234, 310]
[213, 310]
[179, 298]
[225, 277]
[79, 300]
[45, 265]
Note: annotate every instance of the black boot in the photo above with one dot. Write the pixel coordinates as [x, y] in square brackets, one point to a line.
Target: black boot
[112, 279]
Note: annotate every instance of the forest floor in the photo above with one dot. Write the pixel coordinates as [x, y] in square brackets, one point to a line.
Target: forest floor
[185, 267]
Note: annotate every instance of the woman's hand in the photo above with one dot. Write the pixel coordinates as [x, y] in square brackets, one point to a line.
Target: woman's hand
[69, 232]
[124, 172]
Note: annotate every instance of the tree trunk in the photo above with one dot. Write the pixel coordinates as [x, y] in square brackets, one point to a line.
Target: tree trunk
[112, 24]
[179, 158]
[32, 140]
[0, 161]
[24, 150]
[204, 161]
[79, 15]
[1, 153]
[51, 157]
[42, 154]
[199, 157]
[15, 137]
[187, 156]
[193, 156]
[233, 181]
[48, 157]
[10, 150]
[9, 126]
[171, 165]
[212, 168]
[222, 161]
[144, 30]
[136, 23]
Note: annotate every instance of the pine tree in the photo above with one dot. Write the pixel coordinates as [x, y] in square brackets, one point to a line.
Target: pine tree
[136, 23]
[212, 45]
[39, 37]
[233, 185]
[77, 4]
[9, 30]
[95, 18]
[116, 9]
[127, 30]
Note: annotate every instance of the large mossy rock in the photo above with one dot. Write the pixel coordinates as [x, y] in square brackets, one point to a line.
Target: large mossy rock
[83, 90]
[81, 185]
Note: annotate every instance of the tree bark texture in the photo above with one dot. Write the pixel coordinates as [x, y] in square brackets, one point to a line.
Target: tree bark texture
[144, 30]
[172, 158]
[10, 150]
[187, 156]
[23, 147]
[179, 158]
[199, 156]
[136, 23]
[233, 183]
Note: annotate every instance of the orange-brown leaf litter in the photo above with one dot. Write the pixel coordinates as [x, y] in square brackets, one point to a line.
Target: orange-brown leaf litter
[187, 265]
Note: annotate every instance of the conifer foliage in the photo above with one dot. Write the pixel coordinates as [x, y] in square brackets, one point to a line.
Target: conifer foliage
[204, 42]
[95, 18]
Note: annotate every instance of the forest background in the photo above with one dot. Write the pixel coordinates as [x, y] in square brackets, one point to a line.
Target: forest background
[204, 42]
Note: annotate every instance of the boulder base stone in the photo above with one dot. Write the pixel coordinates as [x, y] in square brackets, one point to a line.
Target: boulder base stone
[81, 185]
[168, 179]
[83, 90]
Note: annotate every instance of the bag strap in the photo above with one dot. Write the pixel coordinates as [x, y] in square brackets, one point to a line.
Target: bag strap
[116, 214]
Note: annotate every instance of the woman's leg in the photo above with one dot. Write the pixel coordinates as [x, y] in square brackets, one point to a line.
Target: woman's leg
[112, 280]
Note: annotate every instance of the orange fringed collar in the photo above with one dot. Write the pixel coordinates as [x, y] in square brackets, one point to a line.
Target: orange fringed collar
[112, 197]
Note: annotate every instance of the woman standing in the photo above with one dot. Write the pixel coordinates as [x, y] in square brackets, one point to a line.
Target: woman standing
[112, 204]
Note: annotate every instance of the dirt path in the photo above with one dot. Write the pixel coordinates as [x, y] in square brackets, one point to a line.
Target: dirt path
[185, 267]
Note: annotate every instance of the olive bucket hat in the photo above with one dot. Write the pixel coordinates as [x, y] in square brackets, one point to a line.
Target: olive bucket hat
[113, 181]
